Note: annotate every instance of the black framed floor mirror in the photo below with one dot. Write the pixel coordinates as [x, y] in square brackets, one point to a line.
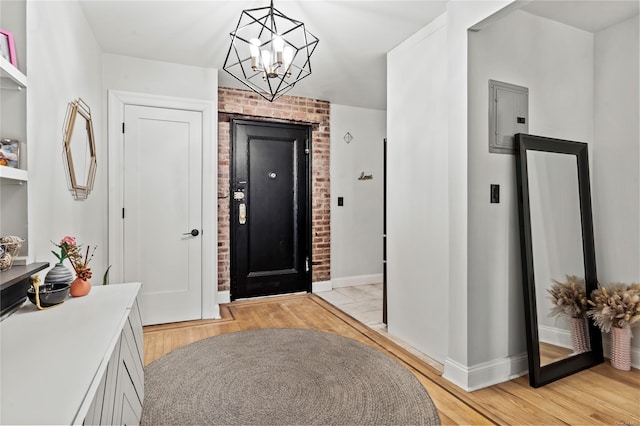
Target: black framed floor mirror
[557, 248]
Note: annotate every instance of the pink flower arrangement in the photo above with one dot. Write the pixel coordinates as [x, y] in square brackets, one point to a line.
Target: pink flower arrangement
[70, 249]
[65, 245]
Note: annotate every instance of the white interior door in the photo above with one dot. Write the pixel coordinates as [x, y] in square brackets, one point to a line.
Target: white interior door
[162, 207]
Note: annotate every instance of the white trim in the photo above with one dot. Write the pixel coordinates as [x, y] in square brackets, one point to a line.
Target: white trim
[320, 286]
[485, 374]
[224, 297]
[116, 102]
[555, 336]
[356, 280]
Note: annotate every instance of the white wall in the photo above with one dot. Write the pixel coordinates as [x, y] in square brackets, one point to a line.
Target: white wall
[616, 156]
[517, 49]
[356, 227]
[62, 68]
[159, 78]
[417, 192]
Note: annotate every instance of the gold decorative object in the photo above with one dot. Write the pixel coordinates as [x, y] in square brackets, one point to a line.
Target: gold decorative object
[79, 150]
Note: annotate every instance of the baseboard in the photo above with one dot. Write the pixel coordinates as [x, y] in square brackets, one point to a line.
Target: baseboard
[224, 297]
[320, 286]
[555, 336]
[356, 280]
[485, 374]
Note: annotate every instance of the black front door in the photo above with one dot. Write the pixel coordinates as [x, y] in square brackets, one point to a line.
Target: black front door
[270, 205]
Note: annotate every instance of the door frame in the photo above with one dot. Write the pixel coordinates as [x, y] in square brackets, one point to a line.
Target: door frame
[115, 105]
[308, 183]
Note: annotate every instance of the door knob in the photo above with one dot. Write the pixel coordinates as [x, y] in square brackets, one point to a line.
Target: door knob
[193, 233]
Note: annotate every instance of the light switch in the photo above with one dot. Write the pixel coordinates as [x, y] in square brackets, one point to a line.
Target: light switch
[495, 194]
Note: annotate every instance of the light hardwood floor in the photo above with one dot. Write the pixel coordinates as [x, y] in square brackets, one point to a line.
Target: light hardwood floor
[600, 395]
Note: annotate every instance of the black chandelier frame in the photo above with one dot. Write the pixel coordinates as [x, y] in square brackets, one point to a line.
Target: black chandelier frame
[266, 27]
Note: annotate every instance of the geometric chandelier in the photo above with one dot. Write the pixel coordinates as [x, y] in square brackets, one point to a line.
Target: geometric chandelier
[269, 52]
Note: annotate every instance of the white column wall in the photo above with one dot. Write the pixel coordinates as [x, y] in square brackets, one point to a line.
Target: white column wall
[462, 15]
[616, 158]
[427, 189]
[417, 191]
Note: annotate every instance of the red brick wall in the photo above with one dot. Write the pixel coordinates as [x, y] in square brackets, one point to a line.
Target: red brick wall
[236, 103]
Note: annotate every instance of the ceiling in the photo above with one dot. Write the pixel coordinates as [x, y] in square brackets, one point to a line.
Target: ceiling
[349, 65]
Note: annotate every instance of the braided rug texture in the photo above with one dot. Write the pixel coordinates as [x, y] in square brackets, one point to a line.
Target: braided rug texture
[283, 377]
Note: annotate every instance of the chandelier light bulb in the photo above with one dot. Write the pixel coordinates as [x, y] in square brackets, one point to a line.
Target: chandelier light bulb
[254, 46]
[278, 46]
[254, 49]
[266, 59]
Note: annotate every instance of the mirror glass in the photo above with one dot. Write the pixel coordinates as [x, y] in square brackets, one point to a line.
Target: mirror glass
[80, 153]
[556, 238]
[79, 149]
[558, 256]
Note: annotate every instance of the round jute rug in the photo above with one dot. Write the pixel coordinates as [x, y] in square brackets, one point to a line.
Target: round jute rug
[283, 377]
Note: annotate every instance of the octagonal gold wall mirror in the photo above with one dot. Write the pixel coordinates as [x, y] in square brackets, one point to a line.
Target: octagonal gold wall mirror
[79, 149]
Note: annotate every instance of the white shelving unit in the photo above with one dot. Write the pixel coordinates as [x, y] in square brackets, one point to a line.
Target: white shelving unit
[12, 73]
[14, 194]
[11, 173]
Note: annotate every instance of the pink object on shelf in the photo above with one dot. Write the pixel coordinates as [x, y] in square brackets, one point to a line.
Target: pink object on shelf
[8, 47]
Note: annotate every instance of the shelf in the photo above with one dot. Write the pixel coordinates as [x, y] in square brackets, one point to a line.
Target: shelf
[13, 174]
[12, 73]
[19, 273]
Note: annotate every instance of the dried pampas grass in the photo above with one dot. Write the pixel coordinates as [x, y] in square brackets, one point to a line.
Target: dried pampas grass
[568, 298]
[616, 305]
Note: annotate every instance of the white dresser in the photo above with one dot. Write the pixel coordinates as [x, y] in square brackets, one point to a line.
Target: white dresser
[80, 362]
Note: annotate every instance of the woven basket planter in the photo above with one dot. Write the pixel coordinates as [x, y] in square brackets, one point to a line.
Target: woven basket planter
[580, 335]
[620, 349]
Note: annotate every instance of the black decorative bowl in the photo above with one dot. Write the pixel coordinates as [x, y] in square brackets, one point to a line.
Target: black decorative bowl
[50, 294]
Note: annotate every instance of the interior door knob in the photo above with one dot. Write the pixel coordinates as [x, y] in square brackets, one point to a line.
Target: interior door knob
[193, 233]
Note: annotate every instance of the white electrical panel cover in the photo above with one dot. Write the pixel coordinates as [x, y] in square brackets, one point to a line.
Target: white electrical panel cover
[508, 115]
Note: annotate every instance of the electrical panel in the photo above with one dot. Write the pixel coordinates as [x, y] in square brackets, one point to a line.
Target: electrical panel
[508, 115]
